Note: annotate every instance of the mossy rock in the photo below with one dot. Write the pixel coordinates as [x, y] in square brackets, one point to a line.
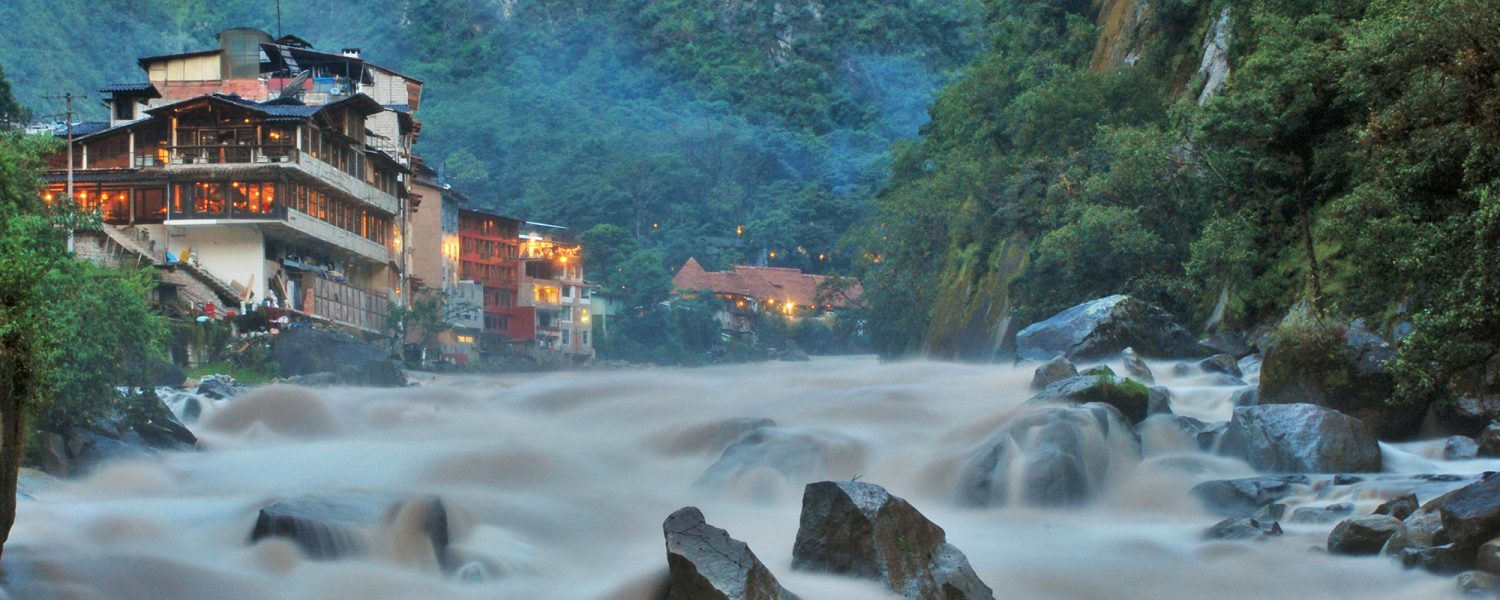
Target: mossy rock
[1132, 398]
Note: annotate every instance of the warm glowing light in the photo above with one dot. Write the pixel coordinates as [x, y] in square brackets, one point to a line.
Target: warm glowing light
[773, 254]
[739, 230]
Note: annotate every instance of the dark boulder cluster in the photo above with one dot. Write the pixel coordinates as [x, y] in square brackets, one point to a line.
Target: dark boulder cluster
[847, 528]
[1050, 456]
[318, 357]
[139, 425]
[1455, 533]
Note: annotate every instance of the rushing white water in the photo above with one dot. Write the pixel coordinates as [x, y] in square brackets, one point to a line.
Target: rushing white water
[557, 485]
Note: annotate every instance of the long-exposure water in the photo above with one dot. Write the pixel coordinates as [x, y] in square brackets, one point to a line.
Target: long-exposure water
[556, 486]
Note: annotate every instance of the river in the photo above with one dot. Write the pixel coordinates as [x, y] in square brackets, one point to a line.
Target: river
[556, 486]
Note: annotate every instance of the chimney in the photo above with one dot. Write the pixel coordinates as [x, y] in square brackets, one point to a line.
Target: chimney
[351, 52]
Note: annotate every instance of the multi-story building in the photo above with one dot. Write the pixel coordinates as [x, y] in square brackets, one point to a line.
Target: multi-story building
[552, 284]
[433, 265]
[280, 171]
[489, 254]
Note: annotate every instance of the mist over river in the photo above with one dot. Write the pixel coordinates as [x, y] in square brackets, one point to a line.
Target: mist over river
[556, 485]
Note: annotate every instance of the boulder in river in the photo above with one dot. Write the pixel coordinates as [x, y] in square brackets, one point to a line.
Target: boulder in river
[333, 527]
[1243, 528]
[1221, 363]
[1057, 369]
[1364, 535]
[1241, 497]
[1051, 456]
[1300, 438]
[1471, 514]
[1478, 584]
[1489, 440]
[307, 350]
[1460, 447]
[859, 529]
[1136, 368]
[1487, 559]
[1400, 508]
[704, 563]
[1227, 341]
[140, 425]
[1102, 328]
[1131, 398]
[797, 456]
[1323, 514]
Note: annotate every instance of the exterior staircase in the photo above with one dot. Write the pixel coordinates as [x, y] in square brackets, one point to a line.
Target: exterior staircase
[138, 241]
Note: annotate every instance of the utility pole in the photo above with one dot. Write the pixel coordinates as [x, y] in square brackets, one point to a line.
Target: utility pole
[71, 198]
[278, 19]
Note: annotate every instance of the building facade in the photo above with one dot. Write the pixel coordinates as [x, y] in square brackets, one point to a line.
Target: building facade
[280, 171]
[552, 284]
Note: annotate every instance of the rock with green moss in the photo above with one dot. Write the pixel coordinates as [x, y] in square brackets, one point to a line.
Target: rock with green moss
[1132, 398]
[1339, 366]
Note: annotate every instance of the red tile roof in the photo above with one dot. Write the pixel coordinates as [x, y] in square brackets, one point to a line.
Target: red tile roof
[761, 283]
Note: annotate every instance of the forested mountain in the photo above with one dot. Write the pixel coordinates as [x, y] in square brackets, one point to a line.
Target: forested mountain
[1347, 160]
[676, 119]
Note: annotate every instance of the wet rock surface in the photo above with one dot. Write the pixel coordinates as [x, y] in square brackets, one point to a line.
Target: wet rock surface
[1104, 327]
[1322, 514]
[1243, 528]
[798, 456]
[334, 527]
[1242, 497]
[141, 425]
[1363, 535]
[1221, 363]
[306, 351]
[1300, 438]
[1136, 368]
[704, 563]
[1052, 371]
[1471, 514]
[1053, 456]
[1352, 378]
[1400, 508]
[860, 530]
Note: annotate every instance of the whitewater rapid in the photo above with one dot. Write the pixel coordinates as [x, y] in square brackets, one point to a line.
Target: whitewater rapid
[558, 485]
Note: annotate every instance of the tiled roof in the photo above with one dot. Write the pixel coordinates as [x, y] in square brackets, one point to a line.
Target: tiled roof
[143, 86]
[84, 128]
[761, 283]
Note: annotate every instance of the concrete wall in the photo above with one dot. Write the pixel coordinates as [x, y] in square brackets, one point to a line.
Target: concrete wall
[230, 252]
[425, 238]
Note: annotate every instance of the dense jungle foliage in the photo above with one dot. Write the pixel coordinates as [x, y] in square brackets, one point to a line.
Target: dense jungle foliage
[1348, 160]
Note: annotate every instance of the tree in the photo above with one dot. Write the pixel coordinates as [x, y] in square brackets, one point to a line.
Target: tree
[70, 332]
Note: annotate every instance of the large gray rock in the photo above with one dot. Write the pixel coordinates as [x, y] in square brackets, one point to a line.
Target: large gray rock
[1136, 368]
[704, 563]
[1363, 535]
[1052, 371]
[1243, 497]
[1131, 398]
[798, 456]
[1471, 514]
[1051, 456]
[1300, 438]
[1102, 328]
[1478, 584]
[1487, 559]
[861, 530]
[306, 350]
